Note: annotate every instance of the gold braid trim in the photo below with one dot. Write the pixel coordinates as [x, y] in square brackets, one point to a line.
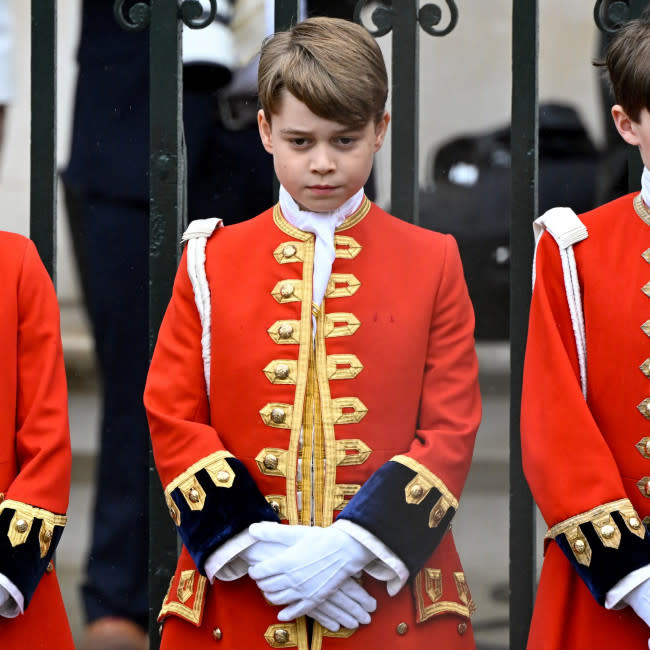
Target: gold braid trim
[428, 476]
[21, 524]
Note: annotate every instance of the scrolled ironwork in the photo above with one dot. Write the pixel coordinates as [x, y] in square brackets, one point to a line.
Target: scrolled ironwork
[430, 16]
[191, 13]
[382, 17]
[611, 15]
[138, 19]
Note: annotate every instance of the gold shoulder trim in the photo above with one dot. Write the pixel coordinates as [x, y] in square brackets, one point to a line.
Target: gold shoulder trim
[641, 209]
[429, 477]
[356, 216]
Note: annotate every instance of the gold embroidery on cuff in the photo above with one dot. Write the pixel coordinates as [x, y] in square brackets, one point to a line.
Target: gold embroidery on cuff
[341, 285]
[282, 635]
[579, 546]
[272, 461]
[439, 511]
[343, 366]
[607, 531]
[291, 251]
[23, 519]
[347, 248]
[281, 371]
[287, 291]
[621, 505]
[348, 410]
[285, 332]
[428, 479]
[277, 414]
[340, 324]
[632, 522]
[351, 451]
[193, 493]
[343, 492]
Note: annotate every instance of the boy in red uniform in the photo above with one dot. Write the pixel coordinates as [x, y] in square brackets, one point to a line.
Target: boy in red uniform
[313, 395]
[34, 451]
[586, 396]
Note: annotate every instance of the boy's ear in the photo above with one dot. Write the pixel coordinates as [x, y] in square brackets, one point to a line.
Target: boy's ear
[625, 125]
[381, 129]
[265, 131]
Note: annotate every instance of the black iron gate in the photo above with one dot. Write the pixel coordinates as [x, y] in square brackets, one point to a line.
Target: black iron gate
[167, 209]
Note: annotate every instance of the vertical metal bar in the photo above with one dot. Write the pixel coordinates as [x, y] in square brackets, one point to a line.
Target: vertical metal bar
[42, 206]
[634, 162]
[405, 119]
[166, 217]
[524, 146]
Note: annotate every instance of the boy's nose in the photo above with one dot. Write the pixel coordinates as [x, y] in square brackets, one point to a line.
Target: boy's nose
[322, 162]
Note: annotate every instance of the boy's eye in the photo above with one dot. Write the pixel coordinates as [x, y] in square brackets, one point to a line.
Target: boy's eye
[299, 142]
[345, 140]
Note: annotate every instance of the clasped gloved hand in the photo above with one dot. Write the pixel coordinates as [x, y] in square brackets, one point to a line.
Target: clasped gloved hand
[639, 600]
[313, 575]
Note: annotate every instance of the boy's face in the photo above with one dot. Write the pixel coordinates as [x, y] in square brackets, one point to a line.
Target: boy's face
[321, 163]
[634, 133]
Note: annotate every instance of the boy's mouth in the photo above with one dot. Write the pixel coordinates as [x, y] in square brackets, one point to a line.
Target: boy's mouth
[321, 188]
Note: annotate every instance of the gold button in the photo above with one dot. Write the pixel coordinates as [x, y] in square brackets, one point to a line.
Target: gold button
[647, 447]
[216, 634]
[417, 491]
[462, 628]
[634, 522]
[223, 476]
[289, 250]
[402, 629]
[271, 461]
[281, 635]
[276, 507]
[172, 514]
[21, 526]
[281, 370]
[285, 331]
[646, 487]
[579, 546]
[194, 495]
[607, 531]
[286, 290]
[50, 567]
[438, 514]
[47, 535]
[278, 415]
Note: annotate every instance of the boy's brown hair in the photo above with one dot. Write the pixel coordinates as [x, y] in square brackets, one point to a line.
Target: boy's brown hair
[333, 66]
[628, 64]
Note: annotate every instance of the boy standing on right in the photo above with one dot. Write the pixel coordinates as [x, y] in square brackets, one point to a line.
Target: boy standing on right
[586, 397]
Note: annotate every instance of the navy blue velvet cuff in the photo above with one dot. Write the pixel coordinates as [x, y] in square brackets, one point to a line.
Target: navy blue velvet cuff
[225, 512]
[405, 509]
[22, 563]
[606, 565]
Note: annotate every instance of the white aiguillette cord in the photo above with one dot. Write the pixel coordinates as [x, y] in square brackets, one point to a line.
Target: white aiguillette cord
[323, 225]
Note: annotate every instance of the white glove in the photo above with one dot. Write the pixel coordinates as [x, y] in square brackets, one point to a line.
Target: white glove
[639, 600]
[313, 567]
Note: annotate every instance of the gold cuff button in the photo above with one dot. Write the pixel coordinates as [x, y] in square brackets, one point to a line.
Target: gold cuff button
[286, 290]
[172, 514]
[193, 495]
[216, 634]
[223, 476]
[278, 415]
[281, 370]
[21, 526]
[579, 546]
[634, 522]
[275, 506]
[438, 514]
[402, 629]
[50, 567]
[289, 250]
[47, 535]
[281, 635]
[285, 331]
[416, 491]
[607, 531]
[271, 461]
[462, 628]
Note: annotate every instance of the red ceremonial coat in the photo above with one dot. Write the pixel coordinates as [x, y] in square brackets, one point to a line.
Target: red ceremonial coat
[588, 462]
[389, 388]
[35, 452]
